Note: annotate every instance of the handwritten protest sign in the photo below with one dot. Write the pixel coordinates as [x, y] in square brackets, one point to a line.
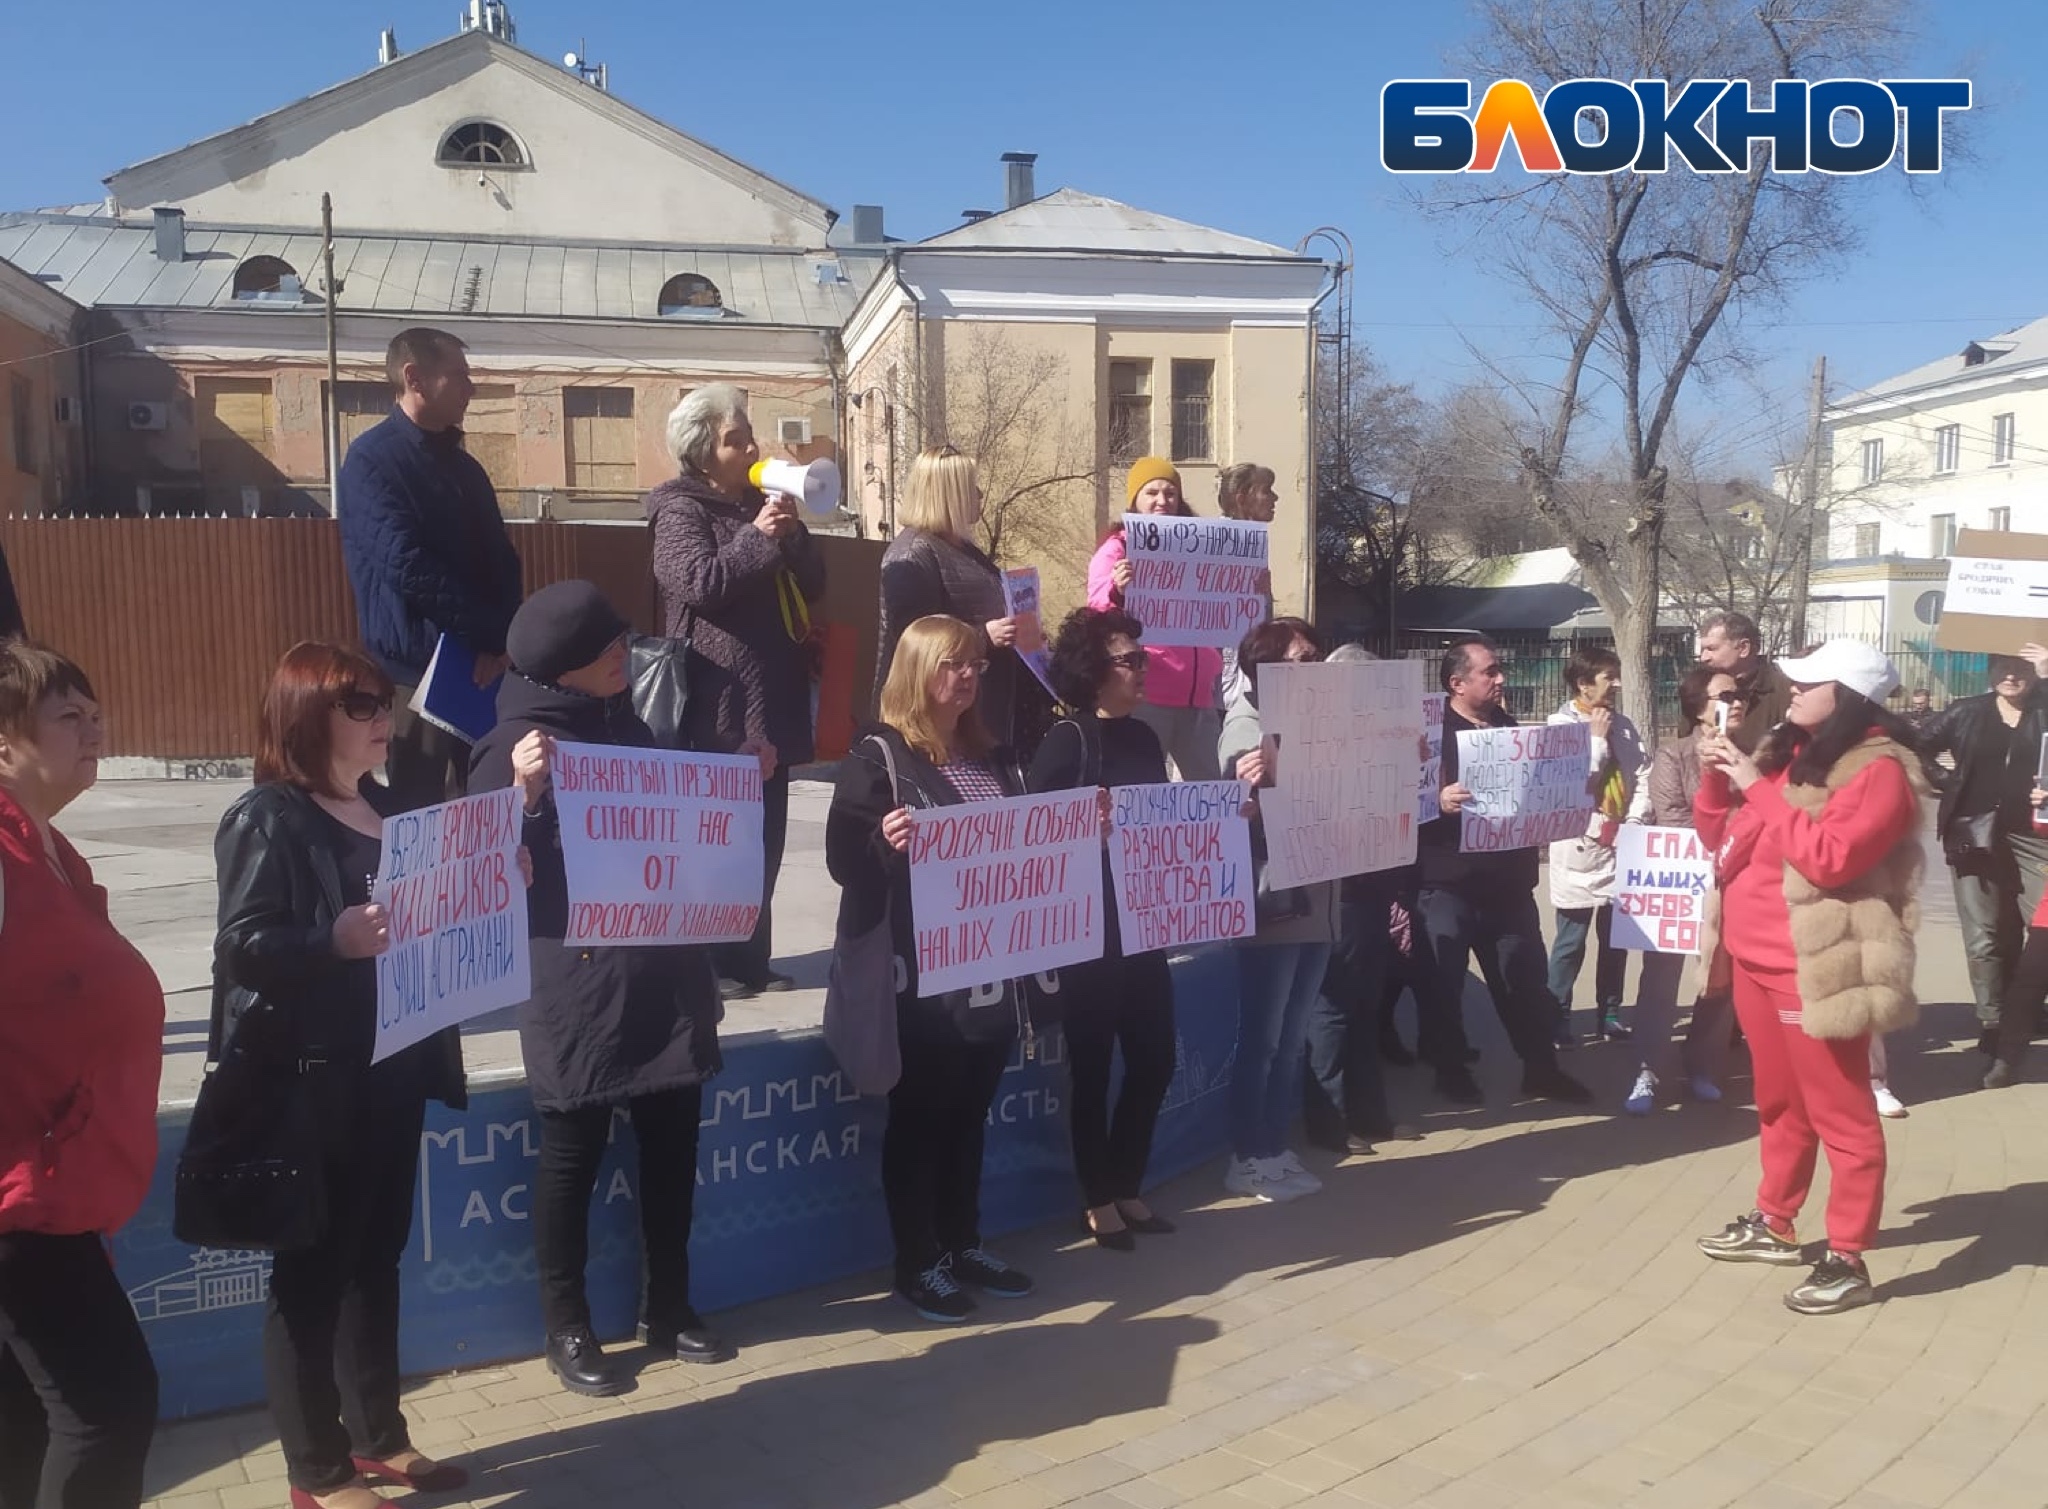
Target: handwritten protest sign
[661, 846]
[1528, 785]
[1199, 582]
[1350, 759]
[457, 902]
[1182, 858]
[1020, 601]
[1662, 879]
[1997, 594]
[1004, 889]
[1429, 802]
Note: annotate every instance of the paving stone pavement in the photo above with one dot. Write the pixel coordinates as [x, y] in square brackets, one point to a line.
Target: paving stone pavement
[1507, 1312]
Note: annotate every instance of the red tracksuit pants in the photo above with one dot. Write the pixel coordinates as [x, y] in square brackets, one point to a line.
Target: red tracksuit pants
[1811, 1093]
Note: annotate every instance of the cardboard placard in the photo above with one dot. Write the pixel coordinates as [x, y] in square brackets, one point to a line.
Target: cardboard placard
[1662, 876]
[1349, 740]
[457, 902]
[1182, 859]
[1020, 601]
[1528, 783]
[1004, 889]
[1997, 594]
[1429, 798]
[1199, 582]
[661, 846]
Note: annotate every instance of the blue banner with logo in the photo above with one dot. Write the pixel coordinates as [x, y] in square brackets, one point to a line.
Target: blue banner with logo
[789, 1194]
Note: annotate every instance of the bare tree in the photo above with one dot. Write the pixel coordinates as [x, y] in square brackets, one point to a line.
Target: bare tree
[1004, 403]
[1638, 272]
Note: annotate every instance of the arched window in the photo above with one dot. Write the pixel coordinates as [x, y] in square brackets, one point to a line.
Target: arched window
[267, 278]
[689, 293]
[481, 144]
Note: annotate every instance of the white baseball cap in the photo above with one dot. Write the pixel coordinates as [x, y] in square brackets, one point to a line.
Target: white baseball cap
[1854, 664]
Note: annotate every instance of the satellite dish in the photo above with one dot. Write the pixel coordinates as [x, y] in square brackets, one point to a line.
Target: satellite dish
[570, 60]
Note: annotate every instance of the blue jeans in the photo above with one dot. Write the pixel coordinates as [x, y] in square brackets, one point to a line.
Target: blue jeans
[1277, 983]
[1568, 954]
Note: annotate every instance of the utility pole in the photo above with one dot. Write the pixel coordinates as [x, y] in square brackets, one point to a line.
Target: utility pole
[1809, 499]
[333, 363]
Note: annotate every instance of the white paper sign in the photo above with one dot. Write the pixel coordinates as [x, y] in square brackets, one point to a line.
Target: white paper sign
[1429, 800]
[450, 880]
[1020, 599]
[1528, 785]
[1004, 889]
[661, 846]
[1662, 876]
[1350, 760]
[2003, 589]
[1199, 582]
[1182, 861]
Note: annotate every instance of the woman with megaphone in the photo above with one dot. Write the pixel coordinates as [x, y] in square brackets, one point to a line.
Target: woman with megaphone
[738, 572]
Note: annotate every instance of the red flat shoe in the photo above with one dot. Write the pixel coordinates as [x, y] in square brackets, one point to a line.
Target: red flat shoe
[300, 1499]
[445, 1478]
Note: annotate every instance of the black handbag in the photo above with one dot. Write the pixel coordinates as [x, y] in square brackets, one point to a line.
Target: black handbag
[252, 1174]
[1970, 835]
[658, 670]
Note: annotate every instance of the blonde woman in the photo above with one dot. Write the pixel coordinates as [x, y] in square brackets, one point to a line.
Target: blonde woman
[955, 1044]
[738, 573]
[934, 566]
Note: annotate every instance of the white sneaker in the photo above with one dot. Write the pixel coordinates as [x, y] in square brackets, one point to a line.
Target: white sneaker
[1292, 1169]
[1254, 1177]
[1888, 1104]
[1642, 1100]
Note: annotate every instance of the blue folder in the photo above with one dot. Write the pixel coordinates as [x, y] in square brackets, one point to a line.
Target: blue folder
[448, 696]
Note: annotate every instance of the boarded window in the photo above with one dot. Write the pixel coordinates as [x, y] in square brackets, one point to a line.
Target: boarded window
[490, 432]
[362, 405]
[237, 425]
[599, 429]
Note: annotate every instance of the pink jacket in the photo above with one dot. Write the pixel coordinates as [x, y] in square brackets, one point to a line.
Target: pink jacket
[1175, 675]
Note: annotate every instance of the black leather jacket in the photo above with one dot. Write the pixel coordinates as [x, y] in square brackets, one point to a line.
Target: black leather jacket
[280, 893]
[1959, 729]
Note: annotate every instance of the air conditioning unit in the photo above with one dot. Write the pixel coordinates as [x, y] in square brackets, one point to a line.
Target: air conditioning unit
[793, 429]
[148, 416]
[67, 409]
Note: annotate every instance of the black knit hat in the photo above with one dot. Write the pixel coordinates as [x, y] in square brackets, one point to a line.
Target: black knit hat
[560, 628]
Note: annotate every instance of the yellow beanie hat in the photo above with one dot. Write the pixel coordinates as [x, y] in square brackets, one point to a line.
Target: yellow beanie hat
[1149, 469]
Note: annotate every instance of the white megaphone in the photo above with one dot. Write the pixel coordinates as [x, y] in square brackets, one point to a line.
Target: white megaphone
[815, 486]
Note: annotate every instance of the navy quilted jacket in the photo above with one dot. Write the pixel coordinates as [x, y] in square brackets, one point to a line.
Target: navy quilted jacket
[426, 547]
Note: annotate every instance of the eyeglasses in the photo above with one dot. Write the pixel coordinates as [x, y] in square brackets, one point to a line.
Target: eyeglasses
[361, 707]
[954, 667]
[1130, 660]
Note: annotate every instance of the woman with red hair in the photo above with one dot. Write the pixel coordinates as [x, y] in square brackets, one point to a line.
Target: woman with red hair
[295, 981]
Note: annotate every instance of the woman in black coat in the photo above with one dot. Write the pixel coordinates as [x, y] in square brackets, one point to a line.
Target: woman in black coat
[606, 1027]
[738, 572]
[295, 979]
[955, 1045]
[1122, 998]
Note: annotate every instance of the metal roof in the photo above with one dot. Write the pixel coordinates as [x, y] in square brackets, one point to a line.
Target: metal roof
[1069, 220]
[98, 262]
[1990, 356]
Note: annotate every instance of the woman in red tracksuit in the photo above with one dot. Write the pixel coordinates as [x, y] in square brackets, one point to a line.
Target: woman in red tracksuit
[1819, 865]
[81, 1051]
[1180, 682]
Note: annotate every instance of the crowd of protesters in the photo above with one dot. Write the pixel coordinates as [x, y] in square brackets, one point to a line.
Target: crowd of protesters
[1794, 773]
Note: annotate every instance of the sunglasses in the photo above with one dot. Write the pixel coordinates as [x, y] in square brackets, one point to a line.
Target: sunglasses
[361, 707]
[1130, 660]
[1730, 697]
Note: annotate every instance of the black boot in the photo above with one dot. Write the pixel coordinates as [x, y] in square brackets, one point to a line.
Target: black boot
[575, 1357]
[686, 1338]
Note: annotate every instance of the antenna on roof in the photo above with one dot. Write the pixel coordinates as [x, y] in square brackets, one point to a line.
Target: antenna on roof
[578, 63]
[491, 17]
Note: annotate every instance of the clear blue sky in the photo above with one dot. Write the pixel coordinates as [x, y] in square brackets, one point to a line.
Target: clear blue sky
[1259, 120]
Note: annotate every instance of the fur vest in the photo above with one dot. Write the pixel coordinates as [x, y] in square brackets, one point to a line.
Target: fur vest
[1854, 942]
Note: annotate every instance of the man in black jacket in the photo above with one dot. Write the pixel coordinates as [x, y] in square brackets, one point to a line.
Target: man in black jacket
[427, 552]
[1986, 821]
[1480, 902]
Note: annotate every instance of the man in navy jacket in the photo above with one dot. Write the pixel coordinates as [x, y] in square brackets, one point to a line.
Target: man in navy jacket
[427, 551]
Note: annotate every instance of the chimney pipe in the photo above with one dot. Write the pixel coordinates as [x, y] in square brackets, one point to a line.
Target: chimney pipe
[1019, 186]
[867, 225]
[170, 234]
[387, 46]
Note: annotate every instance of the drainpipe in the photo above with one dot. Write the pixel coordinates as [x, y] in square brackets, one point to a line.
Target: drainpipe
[916, 373]
[1309, 433]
